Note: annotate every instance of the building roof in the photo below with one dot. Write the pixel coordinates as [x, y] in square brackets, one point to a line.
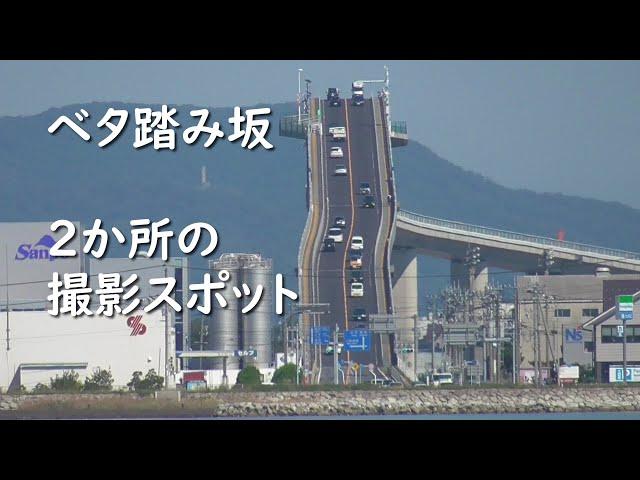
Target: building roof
[53, 366]
[607, 314]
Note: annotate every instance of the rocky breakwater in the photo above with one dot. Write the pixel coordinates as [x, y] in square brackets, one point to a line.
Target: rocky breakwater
[427, 401]
[386, 401]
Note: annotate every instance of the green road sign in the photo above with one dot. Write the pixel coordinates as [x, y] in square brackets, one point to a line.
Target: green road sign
[625, 307]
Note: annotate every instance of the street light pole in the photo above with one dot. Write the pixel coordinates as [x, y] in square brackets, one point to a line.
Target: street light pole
[299, 95]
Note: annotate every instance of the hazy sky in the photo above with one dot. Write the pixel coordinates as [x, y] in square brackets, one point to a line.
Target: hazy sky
[550, 126]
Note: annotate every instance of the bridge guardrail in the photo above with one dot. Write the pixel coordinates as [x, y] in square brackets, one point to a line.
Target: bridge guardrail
[307, 225]
[537, 240]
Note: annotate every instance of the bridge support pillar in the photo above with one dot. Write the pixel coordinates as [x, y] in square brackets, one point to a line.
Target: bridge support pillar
[405, 303]
[464, 278]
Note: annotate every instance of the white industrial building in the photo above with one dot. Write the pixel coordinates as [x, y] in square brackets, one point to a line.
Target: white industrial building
[40, 346]
[36, 346]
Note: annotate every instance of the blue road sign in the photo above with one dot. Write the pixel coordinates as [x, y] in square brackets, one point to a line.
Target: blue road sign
[625, 316]
[320, 336]
[357, 340]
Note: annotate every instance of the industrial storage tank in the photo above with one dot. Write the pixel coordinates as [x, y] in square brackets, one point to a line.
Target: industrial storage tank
[256, 325]
[232, 330]
[224, 330]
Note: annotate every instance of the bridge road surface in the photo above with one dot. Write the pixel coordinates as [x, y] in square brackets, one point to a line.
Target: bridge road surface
[360, 158]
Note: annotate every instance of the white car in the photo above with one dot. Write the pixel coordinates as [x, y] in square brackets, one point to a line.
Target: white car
[357, 289]
[336, 152]
[438, 379]
[335, 234]
[357, 243]
[340, 170]
[338, 133]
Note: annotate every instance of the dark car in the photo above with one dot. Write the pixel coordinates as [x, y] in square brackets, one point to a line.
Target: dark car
[356, 276]
[340, 222]
[333, 97]
[365, 188]
[369, 201]
[329, 245]
[359, 315]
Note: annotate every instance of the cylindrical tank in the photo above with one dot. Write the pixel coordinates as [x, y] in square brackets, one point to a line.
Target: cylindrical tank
[256, 324]
[224, 331]
[232, 330]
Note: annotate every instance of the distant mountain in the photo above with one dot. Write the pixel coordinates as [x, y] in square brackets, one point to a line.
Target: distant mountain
[257, 198]
[431, 185]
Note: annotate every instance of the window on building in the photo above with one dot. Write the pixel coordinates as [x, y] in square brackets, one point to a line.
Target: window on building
[633, 333]
[610, 334]
[562, 312]
[590, 312]
[588, 347]
[178, 275]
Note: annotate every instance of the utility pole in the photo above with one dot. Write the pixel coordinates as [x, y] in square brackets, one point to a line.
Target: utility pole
[201, 339]
[538, 345]
[6, 265]
[165, 314]
[516, 335]
[433, 347]
[499, 336]
[484, 353]
[335, 355]
[415, 347]
[286, 339]
[298, 350]
[536, 293]
[624, 351]
[513, 354]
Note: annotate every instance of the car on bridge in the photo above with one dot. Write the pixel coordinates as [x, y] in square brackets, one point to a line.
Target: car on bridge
[357, 243]
[359, 315]
[338, 133]
[336, 152]
[335, 234]
[365, 188]
[356, 276]
[340, 170]
[355, 260]
[333, 96]
[329, 245]
[357, 289]
[369, 202]
[357, 85]
[329, 349]
[340, 222]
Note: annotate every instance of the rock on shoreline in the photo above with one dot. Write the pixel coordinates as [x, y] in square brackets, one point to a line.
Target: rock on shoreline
[326, 403]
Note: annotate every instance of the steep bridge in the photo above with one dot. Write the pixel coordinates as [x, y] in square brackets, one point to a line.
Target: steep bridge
[393, 238]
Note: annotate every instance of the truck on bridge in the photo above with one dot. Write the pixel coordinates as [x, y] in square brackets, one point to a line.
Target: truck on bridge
[338, 133]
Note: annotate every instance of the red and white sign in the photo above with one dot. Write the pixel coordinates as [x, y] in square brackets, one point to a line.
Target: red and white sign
[136, 325]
